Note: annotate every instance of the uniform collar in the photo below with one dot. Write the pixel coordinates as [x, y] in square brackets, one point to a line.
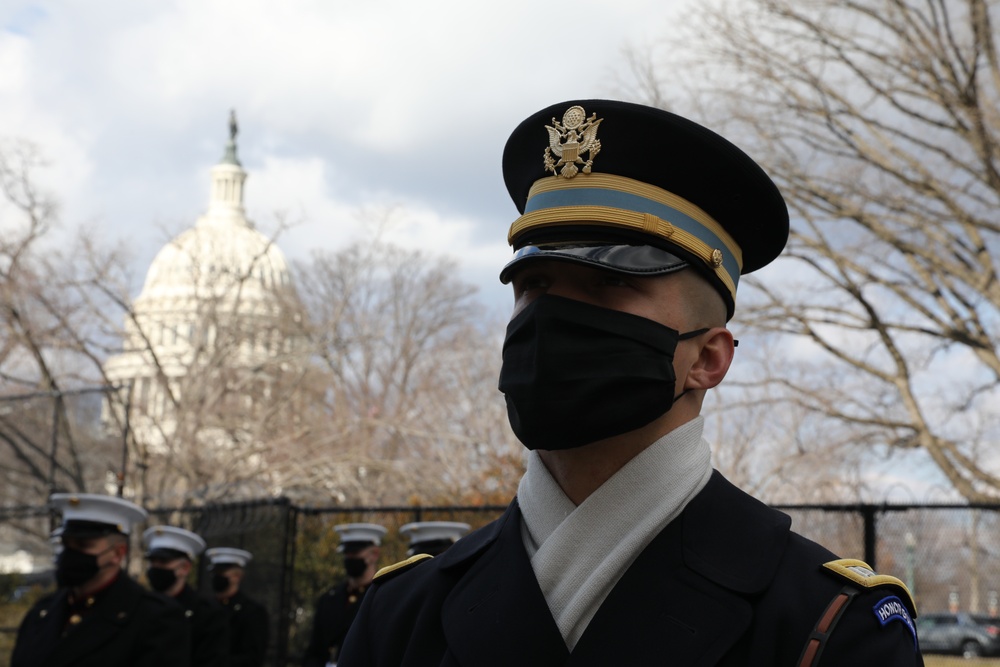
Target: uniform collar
[729, 537]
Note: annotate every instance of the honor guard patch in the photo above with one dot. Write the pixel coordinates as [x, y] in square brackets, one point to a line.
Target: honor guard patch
[891, 609]
[390, 571]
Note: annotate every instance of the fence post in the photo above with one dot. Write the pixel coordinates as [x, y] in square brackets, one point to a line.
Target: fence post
[871, 534]
[287, 580]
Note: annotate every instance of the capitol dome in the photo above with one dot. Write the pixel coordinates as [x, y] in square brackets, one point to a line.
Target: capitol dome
[211, 258]
[222, 256]
[218, 314]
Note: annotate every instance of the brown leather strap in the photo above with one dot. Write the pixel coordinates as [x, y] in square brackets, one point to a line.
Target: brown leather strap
[824, 627]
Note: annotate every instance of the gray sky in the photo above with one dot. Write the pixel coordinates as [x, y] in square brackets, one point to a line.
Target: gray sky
[342, 107]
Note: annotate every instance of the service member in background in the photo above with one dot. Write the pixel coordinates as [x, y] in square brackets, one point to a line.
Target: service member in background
[248, 619]
[360, 545]
[432, 538]
[98, 616]
[171, 553]
[623, 546]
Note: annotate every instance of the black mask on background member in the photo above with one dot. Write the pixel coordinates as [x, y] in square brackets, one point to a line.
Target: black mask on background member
[220, 582]
[161, 578]
[574, 373]
[354, 567]
[74, 567]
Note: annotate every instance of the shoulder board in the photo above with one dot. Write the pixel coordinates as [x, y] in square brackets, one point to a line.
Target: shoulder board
[391, 571]
[861, 574]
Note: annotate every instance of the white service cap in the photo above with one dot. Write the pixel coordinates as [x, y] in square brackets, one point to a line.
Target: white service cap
[91, 515]
[356, 536]
[228, 556]
[433, 537]
[170, 541]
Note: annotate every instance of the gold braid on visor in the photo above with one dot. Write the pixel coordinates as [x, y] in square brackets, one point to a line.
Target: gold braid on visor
[606, 200]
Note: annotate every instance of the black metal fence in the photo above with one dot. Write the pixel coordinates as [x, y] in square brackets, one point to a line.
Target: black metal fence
[949, 555]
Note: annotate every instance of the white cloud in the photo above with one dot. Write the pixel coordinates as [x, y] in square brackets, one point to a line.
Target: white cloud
[320, 221]
[342, 106]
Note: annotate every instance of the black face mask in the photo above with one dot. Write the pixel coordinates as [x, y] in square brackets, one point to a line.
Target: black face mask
[354, 567]
[220, 583]
[161, 578]
[74, 567]
[574, 373]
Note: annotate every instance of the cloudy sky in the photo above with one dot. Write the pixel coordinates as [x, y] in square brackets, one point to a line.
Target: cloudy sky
[342, 107]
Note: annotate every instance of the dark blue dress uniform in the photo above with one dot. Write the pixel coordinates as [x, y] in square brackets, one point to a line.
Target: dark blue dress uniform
[125, 626]
[206, 617]
[209, 629]
[248, 631]
[335, 611]
[726, 583]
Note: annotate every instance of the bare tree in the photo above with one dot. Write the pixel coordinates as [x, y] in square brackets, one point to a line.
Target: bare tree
[214, 366]
[50, 343]
[409, 361]
[378, 386]
[880, 121]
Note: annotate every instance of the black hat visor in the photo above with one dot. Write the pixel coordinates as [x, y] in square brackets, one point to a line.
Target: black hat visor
[164, 553]
[354, 546]
[636, 260]
[88, 529]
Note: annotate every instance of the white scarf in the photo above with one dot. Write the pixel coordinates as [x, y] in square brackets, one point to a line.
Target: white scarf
[579, 553]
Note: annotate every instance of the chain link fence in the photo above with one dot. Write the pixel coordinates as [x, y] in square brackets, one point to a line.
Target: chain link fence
[949, 555]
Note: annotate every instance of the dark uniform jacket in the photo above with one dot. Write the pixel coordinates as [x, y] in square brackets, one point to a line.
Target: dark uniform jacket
[335, 611]
[727, 583]
[248, 630]
[209, 629]
[127, 626]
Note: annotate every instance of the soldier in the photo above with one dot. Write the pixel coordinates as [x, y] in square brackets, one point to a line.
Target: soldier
[171, 553]
[432, 537]
[623, 546]
[248, 620]
[336, 609]
[98, 616]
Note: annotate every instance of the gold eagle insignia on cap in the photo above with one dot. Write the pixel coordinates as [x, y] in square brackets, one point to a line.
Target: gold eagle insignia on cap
[569, 140]
[74, 501]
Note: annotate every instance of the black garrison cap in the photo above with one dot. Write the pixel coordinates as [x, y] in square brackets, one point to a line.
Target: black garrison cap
[641, 191]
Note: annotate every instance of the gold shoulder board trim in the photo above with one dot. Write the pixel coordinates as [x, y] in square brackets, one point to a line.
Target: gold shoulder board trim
[400, 566]
[863, 575]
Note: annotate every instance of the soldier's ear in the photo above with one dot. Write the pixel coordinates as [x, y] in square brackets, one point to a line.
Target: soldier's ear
[713, 361]
[120, 549]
